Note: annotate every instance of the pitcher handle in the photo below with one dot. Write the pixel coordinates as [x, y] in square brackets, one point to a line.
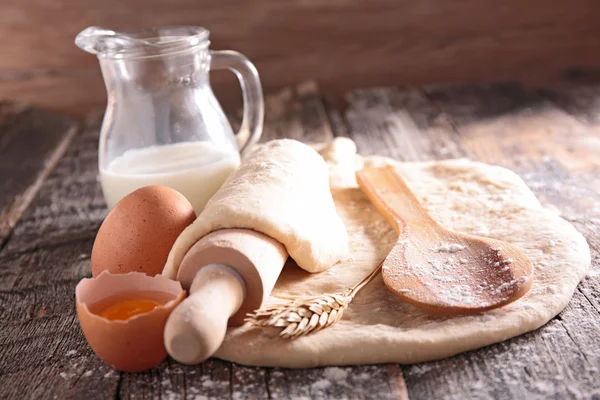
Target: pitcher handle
[252, 120]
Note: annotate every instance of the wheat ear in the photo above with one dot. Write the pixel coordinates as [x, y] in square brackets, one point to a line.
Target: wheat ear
[306, 315]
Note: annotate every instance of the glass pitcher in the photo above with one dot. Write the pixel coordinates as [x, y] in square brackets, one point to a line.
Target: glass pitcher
[163, 124]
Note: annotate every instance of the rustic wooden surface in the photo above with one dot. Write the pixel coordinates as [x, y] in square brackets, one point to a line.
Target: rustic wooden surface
[343, 44]
[25, 163]
[551, 138]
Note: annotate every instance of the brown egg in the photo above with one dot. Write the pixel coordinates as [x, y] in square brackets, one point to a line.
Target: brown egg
[138, 233]
[117, 321]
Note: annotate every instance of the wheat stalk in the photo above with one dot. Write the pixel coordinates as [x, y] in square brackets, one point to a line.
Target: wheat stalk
[303, 316]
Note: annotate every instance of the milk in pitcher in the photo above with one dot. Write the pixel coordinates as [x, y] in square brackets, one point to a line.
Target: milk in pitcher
[195, 169]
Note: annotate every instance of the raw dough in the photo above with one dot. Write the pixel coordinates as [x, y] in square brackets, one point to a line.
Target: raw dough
[377, 327]
[297, 209]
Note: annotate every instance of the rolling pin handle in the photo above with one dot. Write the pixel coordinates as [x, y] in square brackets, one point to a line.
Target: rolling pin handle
[197, 327]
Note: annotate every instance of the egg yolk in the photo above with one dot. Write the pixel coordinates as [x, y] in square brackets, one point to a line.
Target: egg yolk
[126, 309]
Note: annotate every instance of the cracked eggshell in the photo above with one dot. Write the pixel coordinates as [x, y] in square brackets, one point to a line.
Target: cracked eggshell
[135, 344]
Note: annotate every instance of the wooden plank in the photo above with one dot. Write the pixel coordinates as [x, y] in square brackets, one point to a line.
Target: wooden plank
[70, 205]
[398, 123]
[560, 359]
[41, 336]
[578, 199]
[510, 113]
[31, 142]
[297, 113]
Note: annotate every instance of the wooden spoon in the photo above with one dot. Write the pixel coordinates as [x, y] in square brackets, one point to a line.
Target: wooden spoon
[436, 269]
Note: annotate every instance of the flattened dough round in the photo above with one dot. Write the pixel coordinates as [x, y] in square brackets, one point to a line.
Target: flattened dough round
[377, 327]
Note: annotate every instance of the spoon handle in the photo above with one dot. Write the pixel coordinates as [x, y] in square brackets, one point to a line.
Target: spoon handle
[393, 199]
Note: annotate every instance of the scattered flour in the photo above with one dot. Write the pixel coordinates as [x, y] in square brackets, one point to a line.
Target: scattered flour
[238, 395]
[508, 285]
[481, 230]
[544, 386]
[195, 394]
[421, 369]
[170, 395]
[88, 373]
[71, 353]
[208, 384]
[459, 294]
[321, 384]
[277, 374]
[335, 374]
[449, 248]
[478, 385]
[363, 376]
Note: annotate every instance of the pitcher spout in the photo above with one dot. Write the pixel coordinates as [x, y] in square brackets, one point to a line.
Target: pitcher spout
[96, 40]
[154, 41]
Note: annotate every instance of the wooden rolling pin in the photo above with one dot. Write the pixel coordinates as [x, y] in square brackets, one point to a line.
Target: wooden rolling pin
[229, 273]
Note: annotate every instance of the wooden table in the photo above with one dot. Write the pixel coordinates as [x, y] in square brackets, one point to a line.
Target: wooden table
[51, 207]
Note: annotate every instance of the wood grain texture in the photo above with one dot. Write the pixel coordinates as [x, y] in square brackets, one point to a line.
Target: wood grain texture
[31, 142]
[342, 44]
[49, 253]
[548, 137]
[69, 204]
[508, 125]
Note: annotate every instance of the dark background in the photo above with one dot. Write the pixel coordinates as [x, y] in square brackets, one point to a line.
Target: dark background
[342, 44]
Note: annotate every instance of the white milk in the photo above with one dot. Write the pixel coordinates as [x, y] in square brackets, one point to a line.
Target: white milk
[195, 169]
